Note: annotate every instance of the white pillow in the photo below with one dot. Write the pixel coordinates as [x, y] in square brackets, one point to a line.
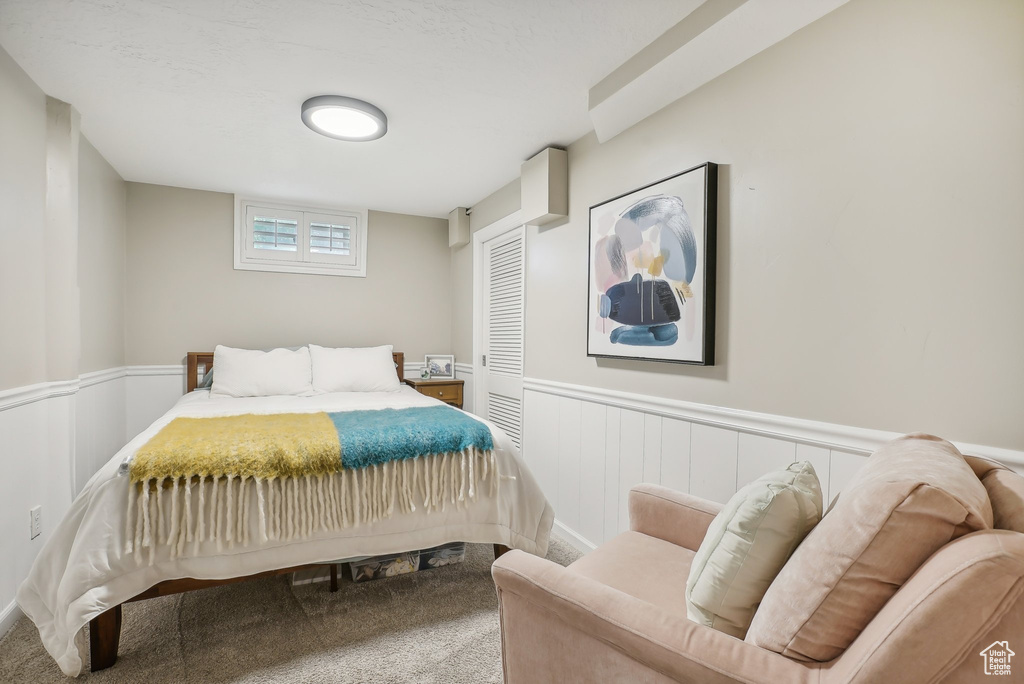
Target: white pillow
[253, 373]
[356, 369]
[747, 544]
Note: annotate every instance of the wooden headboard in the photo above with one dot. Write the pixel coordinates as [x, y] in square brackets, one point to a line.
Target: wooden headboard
[199, 363]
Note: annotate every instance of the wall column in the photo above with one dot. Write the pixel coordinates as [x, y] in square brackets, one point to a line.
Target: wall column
[61, 241]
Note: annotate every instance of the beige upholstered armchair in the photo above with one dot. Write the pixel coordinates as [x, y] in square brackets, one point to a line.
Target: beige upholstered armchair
[619, 613]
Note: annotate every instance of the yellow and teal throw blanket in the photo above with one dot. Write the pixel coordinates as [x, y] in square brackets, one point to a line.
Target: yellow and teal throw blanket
[291, 475]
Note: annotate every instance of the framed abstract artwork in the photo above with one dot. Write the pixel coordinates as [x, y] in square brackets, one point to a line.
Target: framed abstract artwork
[652, 271]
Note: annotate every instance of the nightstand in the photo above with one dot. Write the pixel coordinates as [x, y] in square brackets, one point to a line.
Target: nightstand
[447, 390]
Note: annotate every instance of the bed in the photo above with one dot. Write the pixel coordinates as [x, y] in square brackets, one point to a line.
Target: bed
[94, 560]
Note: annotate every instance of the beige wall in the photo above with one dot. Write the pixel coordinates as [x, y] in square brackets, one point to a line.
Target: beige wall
[101, 261]
[23, 205]
[870, 230]
[184, 294]
[60, 244]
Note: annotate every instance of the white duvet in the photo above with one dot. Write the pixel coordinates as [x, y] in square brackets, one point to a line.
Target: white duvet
[84, 570]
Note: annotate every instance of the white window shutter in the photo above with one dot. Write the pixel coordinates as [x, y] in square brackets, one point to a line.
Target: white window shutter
[292, 239]
[333, 238]
[269, 232]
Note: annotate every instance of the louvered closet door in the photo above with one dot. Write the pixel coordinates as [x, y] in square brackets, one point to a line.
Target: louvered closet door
[503, 331]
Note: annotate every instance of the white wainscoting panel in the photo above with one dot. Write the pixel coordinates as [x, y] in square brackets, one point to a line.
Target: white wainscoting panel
[531, 453]
[570, 437]
[151, 392]
[652, 448]
[589, 446]
[821, 460]
[464, 372]
[413, 369]
[38, 464]
[100, 421]
[593, 428]
[675, 454]
[613, 421]
[631, 461]
[843, 465]
[757, 455]
[713, 461]
[540, 411]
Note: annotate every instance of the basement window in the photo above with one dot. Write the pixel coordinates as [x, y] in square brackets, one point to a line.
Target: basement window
[270, 236]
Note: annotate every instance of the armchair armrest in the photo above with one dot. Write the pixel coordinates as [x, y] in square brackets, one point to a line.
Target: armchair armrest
[676, 517]
[969, 594]
[559, 626]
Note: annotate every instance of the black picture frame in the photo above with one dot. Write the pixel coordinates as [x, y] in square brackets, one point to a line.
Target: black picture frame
[707, 258]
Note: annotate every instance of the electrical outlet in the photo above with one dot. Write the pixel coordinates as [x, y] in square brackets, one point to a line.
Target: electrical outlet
[37, 522]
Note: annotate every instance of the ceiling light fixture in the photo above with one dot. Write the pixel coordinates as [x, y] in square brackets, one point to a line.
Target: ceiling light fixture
[344, 118]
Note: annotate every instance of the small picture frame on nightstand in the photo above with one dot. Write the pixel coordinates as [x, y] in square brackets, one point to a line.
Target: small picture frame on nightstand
[441, 366]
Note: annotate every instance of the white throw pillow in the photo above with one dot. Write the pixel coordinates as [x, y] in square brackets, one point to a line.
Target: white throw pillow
[253, 373]
[747, 544]
[354, 369]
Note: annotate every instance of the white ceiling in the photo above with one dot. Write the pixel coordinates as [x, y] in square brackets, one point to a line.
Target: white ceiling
[206, 94]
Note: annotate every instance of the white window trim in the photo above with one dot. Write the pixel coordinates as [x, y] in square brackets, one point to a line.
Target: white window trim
[243, 262]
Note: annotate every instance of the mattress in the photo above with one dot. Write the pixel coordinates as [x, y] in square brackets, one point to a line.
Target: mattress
[84, 568]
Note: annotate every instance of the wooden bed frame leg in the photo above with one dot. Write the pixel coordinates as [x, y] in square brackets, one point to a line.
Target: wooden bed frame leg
[104, 638]
[334, 577]
[499, 551]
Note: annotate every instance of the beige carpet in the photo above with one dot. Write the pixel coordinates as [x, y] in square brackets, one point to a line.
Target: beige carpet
[438, 625]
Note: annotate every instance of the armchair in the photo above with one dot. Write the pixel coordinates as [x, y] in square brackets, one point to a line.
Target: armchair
[619, 614]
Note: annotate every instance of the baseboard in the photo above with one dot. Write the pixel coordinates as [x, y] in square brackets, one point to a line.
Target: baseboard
[572, 538]
[11, 614]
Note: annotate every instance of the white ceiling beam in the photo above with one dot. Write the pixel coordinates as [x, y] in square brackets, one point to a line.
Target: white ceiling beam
[715, 37]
